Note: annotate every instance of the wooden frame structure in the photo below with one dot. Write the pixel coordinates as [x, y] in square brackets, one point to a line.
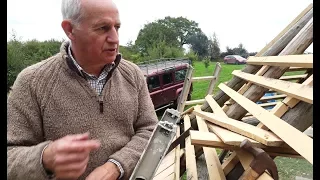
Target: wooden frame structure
[187, 83]
[215, 125]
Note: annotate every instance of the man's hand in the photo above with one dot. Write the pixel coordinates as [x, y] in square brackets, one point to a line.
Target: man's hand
[108, 171]
[67, 157]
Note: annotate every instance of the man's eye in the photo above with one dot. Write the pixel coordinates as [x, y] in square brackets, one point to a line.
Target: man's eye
[117, 27]
[104, 28]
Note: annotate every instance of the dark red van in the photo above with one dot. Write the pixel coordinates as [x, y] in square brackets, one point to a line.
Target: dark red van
[165, 78]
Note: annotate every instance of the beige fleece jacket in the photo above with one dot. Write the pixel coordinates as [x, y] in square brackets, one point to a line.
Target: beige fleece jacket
[50, 100]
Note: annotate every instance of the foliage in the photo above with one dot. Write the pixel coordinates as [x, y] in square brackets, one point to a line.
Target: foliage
[199, 44]
[183, 27]
[173, 32]
[240, 50]
[253, 53]
[192, 56]
[214, 48]
[206, 63]
[22, 54]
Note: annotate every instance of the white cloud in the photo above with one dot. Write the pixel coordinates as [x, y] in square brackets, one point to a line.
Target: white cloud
[253, 23]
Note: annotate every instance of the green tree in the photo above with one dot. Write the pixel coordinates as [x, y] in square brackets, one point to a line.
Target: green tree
[214, 48]
[199, 44]
[240, 50]
[183, 27]
[155, 33]
[173, 32]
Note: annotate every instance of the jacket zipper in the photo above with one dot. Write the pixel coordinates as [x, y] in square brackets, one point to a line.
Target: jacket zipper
[101, 103]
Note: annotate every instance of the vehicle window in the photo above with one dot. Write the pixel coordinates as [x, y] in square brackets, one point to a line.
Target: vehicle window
[167, 78]
[153, 82]
[180, 75]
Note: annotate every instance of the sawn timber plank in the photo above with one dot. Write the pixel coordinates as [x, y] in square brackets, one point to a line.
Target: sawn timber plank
[260, 135]
[212, 160]
[298, 91]
[300, 142]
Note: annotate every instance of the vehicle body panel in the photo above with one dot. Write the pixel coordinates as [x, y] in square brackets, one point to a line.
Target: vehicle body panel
[234, 59]
[165, 85]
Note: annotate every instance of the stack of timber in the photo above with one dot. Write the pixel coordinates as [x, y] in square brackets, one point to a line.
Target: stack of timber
[220, 122]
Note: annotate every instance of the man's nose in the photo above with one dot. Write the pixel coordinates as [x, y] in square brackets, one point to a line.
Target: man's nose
[113, 36]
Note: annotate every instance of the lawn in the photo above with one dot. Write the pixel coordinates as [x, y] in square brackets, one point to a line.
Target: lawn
[288, 168]
[200, 88]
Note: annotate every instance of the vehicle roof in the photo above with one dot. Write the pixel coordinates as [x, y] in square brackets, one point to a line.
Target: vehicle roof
[161, 65]
[238, 56]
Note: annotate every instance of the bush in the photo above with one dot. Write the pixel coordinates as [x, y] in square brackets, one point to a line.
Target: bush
[23, 54]
[192, 56]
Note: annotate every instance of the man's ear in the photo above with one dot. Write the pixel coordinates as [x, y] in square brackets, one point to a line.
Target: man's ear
[67, 28]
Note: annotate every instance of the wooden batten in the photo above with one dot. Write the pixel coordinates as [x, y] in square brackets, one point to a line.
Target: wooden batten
[209, 139]
[260, 135]
[293, 137]
[298, 91]
[212, 160]
[305, 60]
[191, 166]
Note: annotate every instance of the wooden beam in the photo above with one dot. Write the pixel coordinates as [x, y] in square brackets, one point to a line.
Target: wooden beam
[191, 166]
[198, 101]
[177, 158]
[229, 137]
[229, 163]
[294, 77]
[268, 104]
[203, 78]
[187, 111]
[291, 69]
[167, 172]
[281, 108]
[296, 46]
[293, 137]
[260, 135]
[276, 45]
[215, 106]
[299, 91]
[209, 139]
[216, 74]
[166, 162]
[304, 60]
[274, 97]
[285, 30]
[233, 159]
[212, 160]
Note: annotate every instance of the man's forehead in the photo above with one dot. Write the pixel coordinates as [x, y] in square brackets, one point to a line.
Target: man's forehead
[107, 20]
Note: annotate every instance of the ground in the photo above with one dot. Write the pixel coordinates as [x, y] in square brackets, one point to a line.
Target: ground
[288, 168]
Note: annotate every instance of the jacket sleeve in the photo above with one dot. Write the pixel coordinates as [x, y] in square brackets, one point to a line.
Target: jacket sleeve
[129, 155]
[25, 140]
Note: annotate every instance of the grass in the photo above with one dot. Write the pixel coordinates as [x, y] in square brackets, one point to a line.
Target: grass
[200, 88]
[288, 168]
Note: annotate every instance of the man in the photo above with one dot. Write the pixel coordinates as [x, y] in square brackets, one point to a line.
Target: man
[84, 113]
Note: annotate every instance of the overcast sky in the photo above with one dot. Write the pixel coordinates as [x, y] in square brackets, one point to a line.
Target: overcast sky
[251, 22]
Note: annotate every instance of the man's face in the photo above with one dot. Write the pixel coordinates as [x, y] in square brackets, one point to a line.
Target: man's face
[96, 37]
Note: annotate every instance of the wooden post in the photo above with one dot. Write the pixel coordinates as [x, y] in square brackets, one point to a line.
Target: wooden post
[186, 87]
[213, 82]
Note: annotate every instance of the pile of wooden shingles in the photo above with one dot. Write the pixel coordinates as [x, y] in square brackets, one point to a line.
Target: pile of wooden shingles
[218, 123]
